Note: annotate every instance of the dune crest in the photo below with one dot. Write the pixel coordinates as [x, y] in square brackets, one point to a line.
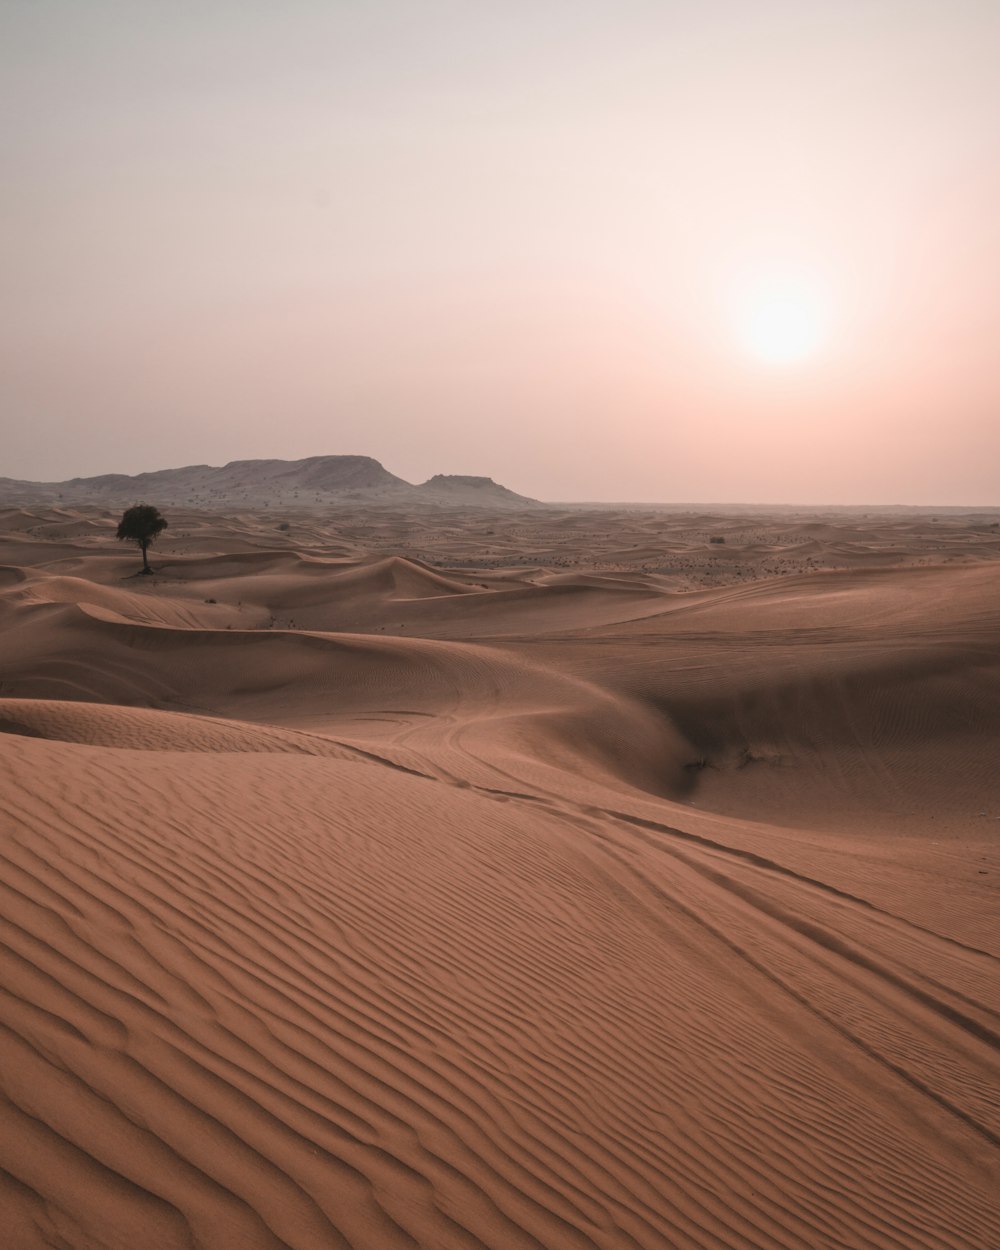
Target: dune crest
[365, 891]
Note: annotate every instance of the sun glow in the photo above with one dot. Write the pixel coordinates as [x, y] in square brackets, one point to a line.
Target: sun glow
[781, 322]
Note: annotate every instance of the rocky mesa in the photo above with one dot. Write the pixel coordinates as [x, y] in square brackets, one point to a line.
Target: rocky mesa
[267, 483]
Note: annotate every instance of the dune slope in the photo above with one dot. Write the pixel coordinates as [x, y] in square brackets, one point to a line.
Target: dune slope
[675, 928]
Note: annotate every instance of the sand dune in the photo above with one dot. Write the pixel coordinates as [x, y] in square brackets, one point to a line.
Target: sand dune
[520, 882]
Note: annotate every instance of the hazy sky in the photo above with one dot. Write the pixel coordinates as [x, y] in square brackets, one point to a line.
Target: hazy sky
[538, 240]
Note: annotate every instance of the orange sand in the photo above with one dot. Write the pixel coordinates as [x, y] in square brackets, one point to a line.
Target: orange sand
[453, 879]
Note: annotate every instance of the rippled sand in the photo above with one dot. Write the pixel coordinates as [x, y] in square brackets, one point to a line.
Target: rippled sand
[449, 879]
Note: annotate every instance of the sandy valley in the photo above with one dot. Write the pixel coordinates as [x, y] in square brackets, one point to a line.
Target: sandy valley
[551, 878]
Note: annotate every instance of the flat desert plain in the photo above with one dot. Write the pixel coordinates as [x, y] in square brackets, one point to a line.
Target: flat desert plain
[556, 879]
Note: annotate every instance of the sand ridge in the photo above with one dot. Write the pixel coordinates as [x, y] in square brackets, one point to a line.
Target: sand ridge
[453, 880]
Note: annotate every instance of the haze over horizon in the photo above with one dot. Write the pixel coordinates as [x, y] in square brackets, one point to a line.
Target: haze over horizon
[498, 742]
[725, 252]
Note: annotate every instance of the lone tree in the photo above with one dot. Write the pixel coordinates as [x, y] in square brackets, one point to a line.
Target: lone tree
[140, 524]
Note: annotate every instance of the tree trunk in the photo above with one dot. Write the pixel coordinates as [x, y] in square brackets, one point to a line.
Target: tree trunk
[145, 562]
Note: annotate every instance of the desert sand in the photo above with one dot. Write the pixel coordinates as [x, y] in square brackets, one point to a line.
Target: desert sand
[559, 878]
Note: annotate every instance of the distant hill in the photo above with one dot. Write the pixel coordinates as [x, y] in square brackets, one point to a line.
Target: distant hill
[457, 489]
[266, 483]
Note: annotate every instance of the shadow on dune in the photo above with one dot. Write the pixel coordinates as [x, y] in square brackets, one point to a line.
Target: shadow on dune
[336, 684]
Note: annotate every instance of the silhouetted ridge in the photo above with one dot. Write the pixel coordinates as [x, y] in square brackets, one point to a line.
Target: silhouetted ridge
[262, 483]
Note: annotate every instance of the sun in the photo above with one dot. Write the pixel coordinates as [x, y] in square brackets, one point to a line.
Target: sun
[781, 321]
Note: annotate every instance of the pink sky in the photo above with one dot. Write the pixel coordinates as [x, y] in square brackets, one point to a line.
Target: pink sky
[504, 238]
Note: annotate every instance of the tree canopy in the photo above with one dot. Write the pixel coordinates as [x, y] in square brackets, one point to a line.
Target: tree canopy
[141, 524]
